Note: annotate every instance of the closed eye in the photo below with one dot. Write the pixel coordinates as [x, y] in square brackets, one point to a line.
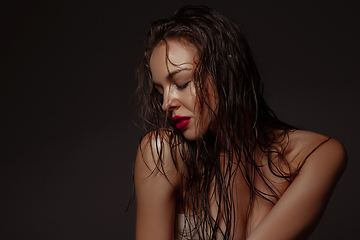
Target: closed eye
[182, 86]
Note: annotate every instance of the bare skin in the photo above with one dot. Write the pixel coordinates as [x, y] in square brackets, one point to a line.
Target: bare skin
[300, 206]
[294, 216]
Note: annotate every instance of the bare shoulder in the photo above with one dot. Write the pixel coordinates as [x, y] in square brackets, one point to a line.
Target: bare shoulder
[315, 147]
[154, 157]
[157, 181]
[322, 161]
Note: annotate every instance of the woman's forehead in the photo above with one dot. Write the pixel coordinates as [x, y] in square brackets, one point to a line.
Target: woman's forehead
[173, 54]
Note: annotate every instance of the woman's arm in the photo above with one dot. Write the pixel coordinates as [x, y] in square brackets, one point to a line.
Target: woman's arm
[300, 208]
[155, 187]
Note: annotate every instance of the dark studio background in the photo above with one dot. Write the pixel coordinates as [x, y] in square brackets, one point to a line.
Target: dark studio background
[68, 138]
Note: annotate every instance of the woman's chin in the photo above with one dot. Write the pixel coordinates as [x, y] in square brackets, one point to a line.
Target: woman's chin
[190, 136]
[193, 135]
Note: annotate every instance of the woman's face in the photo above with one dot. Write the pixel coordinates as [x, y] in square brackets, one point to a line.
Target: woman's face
[172, 65]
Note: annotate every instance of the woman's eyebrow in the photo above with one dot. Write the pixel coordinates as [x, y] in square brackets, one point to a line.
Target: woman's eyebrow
[173, 73]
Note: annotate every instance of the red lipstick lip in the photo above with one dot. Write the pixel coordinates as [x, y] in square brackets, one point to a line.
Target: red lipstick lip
[181, 121]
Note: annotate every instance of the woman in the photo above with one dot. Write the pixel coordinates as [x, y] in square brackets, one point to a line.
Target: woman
[214, 162]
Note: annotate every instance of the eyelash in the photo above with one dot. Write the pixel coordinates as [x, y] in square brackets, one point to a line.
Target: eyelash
[183, 86]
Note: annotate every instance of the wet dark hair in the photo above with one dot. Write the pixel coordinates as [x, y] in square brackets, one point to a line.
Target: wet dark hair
[246, 123]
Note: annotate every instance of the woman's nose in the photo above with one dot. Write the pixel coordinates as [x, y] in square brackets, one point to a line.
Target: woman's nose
[169, 100]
